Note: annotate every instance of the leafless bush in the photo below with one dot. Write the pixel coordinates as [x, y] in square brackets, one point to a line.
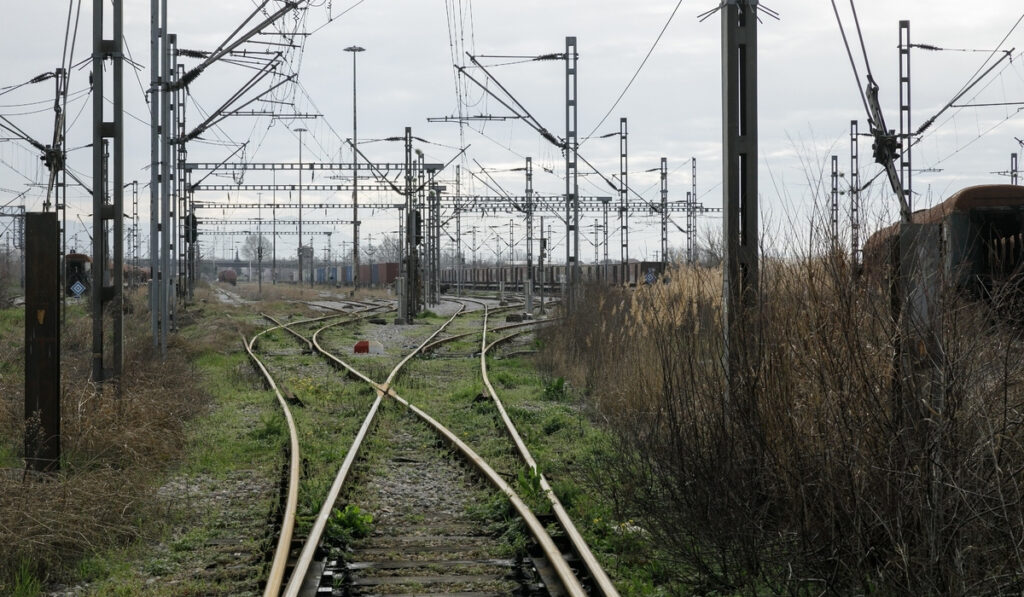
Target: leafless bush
[814, 473]
[115, 443]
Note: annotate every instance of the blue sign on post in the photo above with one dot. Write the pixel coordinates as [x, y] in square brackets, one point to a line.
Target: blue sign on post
[649, 277]
[78, 288]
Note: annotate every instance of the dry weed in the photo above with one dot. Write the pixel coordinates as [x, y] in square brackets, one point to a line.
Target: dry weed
[814, 474]
[115, 443]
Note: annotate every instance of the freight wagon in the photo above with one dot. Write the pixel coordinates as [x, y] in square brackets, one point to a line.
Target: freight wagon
[375, 274]
[550, 277]
[981, 238]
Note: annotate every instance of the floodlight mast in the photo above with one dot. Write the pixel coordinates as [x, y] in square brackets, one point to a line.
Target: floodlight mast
[355, 50]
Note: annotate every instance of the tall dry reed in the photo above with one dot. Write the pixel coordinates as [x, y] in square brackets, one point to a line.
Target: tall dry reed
[812, 474]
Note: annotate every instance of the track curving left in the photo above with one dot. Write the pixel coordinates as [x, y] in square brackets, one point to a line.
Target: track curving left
[299, 580]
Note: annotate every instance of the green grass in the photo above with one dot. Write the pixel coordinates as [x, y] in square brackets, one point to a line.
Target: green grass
[237, 441]
[12, 320]
[347, 524]
[9, 456]
[242, 434]
[26, 583]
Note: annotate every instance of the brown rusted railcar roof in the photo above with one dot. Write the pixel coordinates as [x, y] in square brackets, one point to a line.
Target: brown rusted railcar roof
[979, 196]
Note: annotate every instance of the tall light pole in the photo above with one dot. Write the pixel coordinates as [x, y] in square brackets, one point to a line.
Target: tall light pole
[355, 174]
[300, 131]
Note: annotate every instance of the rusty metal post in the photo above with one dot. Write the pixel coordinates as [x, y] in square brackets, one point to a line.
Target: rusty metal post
[407, 300]
[165, 280]
[42, 343]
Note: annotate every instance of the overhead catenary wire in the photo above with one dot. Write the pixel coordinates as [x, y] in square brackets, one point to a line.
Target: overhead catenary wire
[636, 73]
[48, 101]
[36, 79]
[853, 62]
[333, 18]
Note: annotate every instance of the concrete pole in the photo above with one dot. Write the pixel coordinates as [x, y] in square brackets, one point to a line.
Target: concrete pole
[300, 254]
[854, 199]
[98, 188]
[155, 98]
[664, 209]
[623, 192]
[571, 148]
[117, 299]
[739, 181]
[460, 260]
[834, 206]
[165, 183]
[691, 213]
[529, 236]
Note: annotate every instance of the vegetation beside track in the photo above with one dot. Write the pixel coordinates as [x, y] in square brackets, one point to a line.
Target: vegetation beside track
[557, 426]
[175, 474]
[170, 490]
[812, 476]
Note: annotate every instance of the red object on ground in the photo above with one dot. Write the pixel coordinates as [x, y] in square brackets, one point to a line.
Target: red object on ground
[363, 346]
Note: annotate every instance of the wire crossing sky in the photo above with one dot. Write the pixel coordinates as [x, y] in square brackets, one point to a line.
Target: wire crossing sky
[652, 62]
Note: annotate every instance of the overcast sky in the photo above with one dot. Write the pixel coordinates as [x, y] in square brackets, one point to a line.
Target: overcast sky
[807, 97]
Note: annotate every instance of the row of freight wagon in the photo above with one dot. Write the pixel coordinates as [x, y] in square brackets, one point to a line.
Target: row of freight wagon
[374, 274]
[633, 273]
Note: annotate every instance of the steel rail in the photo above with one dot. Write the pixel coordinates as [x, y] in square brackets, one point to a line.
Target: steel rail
[341, 313]
[283, 548]
[504, 339]
[305, 558]
[510, 326]
[537, 530]
[280, 561]
[582, 549]
[438, 342]
[287, 326]
[394, 372]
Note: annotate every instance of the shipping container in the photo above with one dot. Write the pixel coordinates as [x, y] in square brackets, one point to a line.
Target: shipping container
[390, 272]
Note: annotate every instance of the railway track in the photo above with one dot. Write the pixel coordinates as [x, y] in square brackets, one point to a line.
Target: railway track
[431, 531]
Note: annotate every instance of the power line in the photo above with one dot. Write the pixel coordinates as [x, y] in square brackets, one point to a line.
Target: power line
[637, 73]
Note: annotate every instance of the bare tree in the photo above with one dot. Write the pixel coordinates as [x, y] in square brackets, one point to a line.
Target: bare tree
[386, 248]
[252, 245]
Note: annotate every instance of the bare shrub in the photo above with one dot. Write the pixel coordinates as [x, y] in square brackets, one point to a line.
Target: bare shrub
[814, 474]
[116, 441]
